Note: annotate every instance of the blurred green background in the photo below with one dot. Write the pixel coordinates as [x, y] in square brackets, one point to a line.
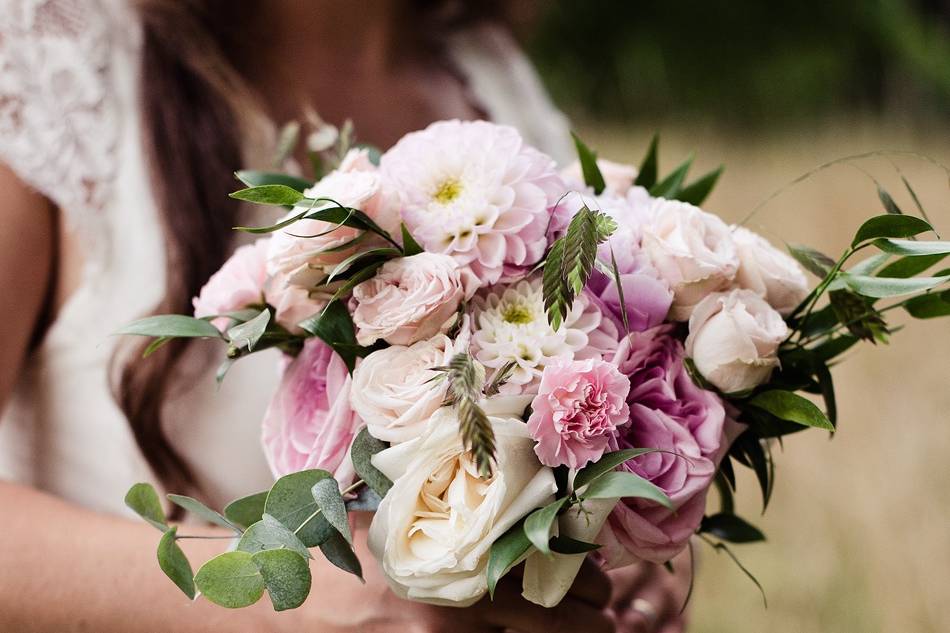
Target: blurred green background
[859, 527]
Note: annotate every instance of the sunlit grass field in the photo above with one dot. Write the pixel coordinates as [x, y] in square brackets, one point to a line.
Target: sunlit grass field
[859, 526]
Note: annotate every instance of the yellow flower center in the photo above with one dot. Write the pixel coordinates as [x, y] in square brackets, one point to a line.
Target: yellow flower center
[517, 313]
[449, 190]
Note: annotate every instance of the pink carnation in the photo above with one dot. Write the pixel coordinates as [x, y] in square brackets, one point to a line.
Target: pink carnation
[238, 284]
[309, 422]
[577, 410]
[475, 191]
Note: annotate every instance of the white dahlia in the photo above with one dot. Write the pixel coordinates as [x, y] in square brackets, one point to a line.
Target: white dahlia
[475, 191]
[510, 325]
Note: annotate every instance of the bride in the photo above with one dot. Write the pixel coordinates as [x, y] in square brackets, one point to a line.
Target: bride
[120, 127]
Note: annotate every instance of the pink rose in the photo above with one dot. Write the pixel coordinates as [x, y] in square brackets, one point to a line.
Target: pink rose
[577, 410]
[410, 299]
[293, 304]
[618, 177]
[669, 412]
[309, 422]
[238, 284]
[770, 273]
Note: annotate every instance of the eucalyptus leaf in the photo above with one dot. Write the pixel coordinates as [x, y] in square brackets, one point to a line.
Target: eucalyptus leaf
[505, 554]
[254, 178]
[410, 246]
[339, 552]
[326, 493]
[175, 564]
[269, 533]
[890, 226]
[670, 186]
[731, 528]
[588, 160]
[144, 501]
[697, 191]
[246, 511]
[366, 500]
[537, 527]
[291, 502]
[912, 248]
[199, 509]
[278, 195]
[883, 287]
[231, 580]
[171, 325]
[607, 463]
[647, 174]
[624, 484]
[286, 575]
[247, 334]
[790, 406]
[361, 452]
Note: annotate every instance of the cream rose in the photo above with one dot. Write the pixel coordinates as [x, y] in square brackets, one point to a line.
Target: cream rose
[410, 299]
[433, 530]
[769, 272]
[393, 391]
[618, 177]
[734, 339]
[691, 250]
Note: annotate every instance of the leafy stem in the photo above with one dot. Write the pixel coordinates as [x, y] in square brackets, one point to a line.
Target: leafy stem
[352, 487]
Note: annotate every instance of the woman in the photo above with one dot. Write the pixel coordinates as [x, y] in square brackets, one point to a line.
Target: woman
[120, 126]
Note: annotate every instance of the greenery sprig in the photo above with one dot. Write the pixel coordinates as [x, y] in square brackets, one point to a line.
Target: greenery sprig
[466, 379]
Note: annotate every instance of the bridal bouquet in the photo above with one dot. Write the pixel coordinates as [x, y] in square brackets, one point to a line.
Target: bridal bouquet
[510, 363]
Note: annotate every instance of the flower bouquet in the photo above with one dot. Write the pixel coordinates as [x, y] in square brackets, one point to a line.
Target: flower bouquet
[510, 363]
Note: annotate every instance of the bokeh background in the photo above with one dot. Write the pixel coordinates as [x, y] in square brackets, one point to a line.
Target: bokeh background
[859, 526]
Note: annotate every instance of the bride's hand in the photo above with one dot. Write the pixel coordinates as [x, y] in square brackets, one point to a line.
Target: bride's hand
[646, 598]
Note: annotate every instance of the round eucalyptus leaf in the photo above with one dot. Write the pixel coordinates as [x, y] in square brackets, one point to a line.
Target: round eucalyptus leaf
[175, 564]
[231, 580]
[286, 575]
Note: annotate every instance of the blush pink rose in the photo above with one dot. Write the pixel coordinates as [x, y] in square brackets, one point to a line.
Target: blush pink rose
[618, 177]
[577, 410]
[669, 412]
[239, 283]
[309, 422]
[293, 304]
[410, 299]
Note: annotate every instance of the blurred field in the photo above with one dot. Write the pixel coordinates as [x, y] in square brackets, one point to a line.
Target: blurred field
[858, 527]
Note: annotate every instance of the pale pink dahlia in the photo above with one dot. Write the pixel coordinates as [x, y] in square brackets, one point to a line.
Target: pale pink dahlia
[474, 190]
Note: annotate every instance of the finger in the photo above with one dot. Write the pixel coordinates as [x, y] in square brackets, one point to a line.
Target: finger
[627, 582]
[591, 585]
[511, 611]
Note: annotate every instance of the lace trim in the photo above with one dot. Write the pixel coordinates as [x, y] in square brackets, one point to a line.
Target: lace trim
[58, 117]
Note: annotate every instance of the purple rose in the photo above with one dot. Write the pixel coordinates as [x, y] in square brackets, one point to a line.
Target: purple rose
[309, 422]
[669, 412]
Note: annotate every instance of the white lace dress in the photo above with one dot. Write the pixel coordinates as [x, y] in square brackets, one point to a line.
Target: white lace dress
[69, 127]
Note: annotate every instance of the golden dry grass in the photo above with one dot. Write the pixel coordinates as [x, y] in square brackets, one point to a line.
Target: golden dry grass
[859, 527]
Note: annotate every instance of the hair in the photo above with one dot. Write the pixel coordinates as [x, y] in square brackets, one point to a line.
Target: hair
[195, 108]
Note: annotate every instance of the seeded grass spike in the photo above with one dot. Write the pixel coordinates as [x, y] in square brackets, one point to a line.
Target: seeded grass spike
[570, 262]
[465, 387]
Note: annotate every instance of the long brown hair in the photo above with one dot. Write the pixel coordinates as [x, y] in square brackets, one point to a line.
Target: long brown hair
[194, 104]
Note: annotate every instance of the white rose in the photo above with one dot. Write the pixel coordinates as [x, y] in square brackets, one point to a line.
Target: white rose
[734, 339]
[618, 177]
[768, 271]
[691, 250]
[410, 299]
[433, 530]
[393, 391]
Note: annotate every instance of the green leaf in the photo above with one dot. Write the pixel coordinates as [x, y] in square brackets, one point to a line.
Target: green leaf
[253, 178]
[269, 533]
[247, 334]
[607, 463]
[646, 177]
[724, 548]
[790, 406]
[199, 509]
[410, 246]
[374, 255]
[291, 502]
[175, 564]
[869, 265]
[731, 528]
[286, 575]
[537, 527]
[624, 484]
[171, 325]
[246, 511]
[618, 283]
[912, 248]
[505, 553]
[697, 191]
[231, 580]
[278, 195]
[588, 160]
[889, 205]
[326, 493]
[907, 266]
[929, 306]
[341, 554]
[567, 545]
[913, 195]
[834, 347]
[890, 226]
[883, 287]
[749, 451]
[815, 262]
[144, 501]
[669, 187]
[361, 452]
[335, 327]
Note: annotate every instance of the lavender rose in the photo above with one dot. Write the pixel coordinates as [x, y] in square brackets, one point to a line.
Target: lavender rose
[669, 412]
[309, 422]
